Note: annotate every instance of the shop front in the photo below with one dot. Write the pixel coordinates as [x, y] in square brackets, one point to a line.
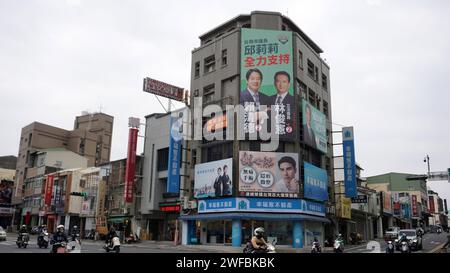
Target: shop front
[231, 221]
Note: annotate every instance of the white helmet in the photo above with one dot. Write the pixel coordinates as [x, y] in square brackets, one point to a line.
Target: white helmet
[259, 231]
[60, 226]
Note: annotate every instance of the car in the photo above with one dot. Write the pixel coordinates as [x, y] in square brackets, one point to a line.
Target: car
[391, 233]
[2, 234]
[414, 239]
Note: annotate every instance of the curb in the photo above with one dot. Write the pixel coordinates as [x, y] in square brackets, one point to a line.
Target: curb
[436, 249]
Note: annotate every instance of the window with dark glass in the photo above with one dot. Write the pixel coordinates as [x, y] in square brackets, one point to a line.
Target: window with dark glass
[209, 64]
[162, 159]
[310, 69]
[197, 69]
[224, 57]
[300, 59]
[324, 82]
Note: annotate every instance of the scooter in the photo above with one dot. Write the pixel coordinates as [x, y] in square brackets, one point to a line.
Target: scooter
[316, 248]
[390, 247]
[23, 239]
[249, 248]
[114, 245]
[42, 240]
[404, 248]
[338, 246]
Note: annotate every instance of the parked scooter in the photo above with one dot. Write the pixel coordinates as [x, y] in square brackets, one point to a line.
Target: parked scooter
[42, 240]
[390, 247]
[22, 240]
[113, 245]
[249, 248]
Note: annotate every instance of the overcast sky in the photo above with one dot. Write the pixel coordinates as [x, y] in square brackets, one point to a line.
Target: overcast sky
[389, 64]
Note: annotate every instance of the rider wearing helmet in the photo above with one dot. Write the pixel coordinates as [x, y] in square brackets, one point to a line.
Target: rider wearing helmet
[403, 238]
[58, 237]
[258, 242]
[111, 234]
[23, 229]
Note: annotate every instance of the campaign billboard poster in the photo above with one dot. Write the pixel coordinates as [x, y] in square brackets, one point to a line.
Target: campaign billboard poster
[267, 79]
[214, 179]
[314, 127]
[349, 162]
[316, 183]
[268, 174]
[173, 177]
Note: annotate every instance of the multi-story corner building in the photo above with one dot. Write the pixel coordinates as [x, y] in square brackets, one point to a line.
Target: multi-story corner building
[90, 138]
[252, 60]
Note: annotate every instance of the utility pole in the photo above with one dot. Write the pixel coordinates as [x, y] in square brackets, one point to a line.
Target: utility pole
[427, 159]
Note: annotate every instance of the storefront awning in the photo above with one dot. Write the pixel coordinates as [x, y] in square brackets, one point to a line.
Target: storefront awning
[118, 219]
[255, 216]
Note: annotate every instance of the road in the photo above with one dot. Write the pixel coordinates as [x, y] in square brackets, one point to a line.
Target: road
[89, 246]
[430, 241]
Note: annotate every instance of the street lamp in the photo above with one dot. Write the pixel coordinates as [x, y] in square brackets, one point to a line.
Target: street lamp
[427, 159]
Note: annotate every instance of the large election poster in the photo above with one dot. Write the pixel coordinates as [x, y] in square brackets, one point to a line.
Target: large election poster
[214, 179]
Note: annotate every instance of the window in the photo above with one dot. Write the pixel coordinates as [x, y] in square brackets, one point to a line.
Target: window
[224, 57]
[210, 64]
[197, 69]
[208, 93]
[162, 159]
[29, 139]
[316, 74]
[325, 108]
[194, 157]
[312, 96]
[300, 59]
[82, 145]
[310, 69]
[324, 82]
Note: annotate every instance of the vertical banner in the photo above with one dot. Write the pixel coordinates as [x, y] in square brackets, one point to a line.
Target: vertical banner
[176, 130]
[415, 212]
[267, 79]
[349, 162]
[431, 204]
[48, 190]
[130, 170]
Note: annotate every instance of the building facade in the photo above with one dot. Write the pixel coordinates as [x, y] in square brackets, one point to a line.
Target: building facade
[91, 138]
[252, 193]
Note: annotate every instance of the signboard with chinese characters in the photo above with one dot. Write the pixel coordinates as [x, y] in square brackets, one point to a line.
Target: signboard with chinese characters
[268, 174]
[173, 177]
[346, 208]
[272, 205]
[267, 79]
[349, 162]
[163, 89]
[130, 170]
[387, 202]
[214, 179]
[316, 182]
[415, 211]
[48, 190]
[359, 199]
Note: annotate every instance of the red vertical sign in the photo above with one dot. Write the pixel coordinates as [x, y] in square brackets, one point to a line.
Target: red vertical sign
[131, 165]
[431, 203]
[48, 190]
[414, 205]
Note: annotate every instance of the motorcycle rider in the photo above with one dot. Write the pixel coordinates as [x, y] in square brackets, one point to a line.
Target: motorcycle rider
[59, 237]
[75, 233]
[111, 234]
[316, 244]
[23, 229]
[341, 241]
[42, 231]
[258, 243]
